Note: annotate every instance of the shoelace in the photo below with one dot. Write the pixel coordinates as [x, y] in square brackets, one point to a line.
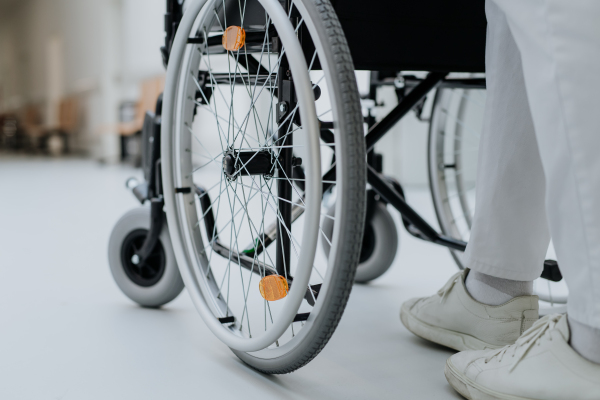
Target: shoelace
[528, 339]
[443, 292]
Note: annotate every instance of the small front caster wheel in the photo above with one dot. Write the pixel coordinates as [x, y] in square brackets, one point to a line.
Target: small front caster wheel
[153, 282]
[379, 247]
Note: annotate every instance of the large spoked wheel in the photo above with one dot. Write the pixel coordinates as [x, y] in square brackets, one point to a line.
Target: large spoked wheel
[258, 103]
[455, 130]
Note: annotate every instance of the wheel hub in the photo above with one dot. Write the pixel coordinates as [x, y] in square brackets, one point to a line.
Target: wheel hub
[245, 163]
[151, 270]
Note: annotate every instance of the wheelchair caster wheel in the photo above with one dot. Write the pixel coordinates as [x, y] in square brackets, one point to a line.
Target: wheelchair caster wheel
[153, 282]
[379, 247]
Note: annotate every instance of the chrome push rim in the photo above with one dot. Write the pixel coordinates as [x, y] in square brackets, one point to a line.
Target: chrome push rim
[197, 267]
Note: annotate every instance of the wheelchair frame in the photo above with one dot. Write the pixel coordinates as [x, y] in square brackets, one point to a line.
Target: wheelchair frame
[411, 93]
[390, 190]
[353, 261]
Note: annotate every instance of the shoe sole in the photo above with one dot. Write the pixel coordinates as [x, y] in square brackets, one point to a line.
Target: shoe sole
[454, 340]
[471, 390]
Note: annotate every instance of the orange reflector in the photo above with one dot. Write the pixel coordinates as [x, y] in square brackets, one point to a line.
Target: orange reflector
[234, 38]
[273, 287]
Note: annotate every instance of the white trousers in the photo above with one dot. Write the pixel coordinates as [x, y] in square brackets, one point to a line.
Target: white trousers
[539, 162]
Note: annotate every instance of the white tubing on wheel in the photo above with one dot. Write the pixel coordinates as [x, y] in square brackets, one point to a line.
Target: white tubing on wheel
[313, 184]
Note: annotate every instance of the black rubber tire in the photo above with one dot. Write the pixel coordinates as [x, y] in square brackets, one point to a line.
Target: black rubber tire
[170, 284]
[352, 220]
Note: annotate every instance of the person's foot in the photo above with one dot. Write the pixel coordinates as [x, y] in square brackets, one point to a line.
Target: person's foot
[454, 319]
[540, 365]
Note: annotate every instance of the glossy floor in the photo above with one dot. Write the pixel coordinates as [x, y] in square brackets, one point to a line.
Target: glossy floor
[67, 332]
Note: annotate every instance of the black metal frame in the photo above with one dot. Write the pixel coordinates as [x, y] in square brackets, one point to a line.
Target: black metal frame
[172, 19]
[287, 103]
[382, 186]
[151, 188]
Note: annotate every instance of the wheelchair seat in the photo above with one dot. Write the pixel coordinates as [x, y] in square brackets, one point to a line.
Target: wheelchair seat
[417, 35]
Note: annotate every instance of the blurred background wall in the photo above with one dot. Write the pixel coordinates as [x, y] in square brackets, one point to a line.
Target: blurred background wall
[80, 74]
[97, 52]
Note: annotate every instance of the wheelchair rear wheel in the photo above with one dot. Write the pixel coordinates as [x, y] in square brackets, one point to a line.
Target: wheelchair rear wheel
[455, 130]
[250, 126]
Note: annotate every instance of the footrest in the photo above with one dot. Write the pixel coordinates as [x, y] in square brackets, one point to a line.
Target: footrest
[551, 271]
[301, 317]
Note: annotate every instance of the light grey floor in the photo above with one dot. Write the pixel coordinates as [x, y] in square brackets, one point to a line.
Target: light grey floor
[66, 331]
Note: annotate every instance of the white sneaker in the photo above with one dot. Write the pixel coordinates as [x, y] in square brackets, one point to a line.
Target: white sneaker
[540, 365]
[454, 319]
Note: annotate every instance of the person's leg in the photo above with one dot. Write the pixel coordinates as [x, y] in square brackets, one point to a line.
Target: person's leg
[559, 42]
[509, 236]
[560, 46]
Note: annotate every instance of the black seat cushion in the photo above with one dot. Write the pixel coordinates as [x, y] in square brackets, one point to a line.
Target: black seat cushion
[430, 35]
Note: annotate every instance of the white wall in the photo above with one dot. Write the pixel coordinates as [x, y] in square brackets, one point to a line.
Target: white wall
[12, 58]
[97, 49]
[404, 147]
[142, 35]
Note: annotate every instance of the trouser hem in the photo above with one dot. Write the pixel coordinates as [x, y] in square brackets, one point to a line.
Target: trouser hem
[583, 319]
[521, 274]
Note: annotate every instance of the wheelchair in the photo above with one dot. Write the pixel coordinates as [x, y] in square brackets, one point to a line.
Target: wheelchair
[266, 198]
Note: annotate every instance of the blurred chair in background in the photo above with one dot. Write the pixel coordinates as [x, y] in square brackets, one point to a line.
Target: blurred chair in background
[132, 119]
[57, 138]
[11, 134]
[33, 128]
[26, 129]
